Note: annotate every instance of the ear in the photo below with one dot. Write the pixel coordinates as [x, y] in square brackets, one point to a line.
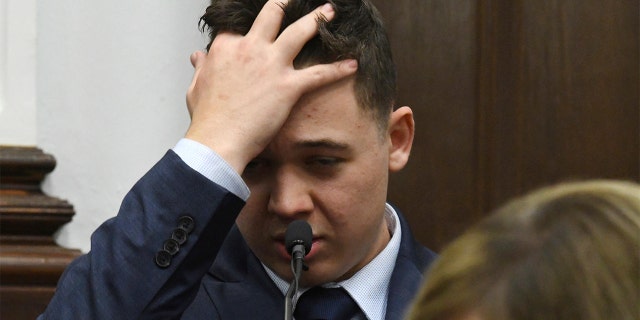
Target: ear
[401, 132]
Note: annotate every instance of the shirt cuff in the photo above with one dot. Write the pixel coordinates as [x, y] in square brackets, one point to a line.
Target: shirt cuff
[208, 163]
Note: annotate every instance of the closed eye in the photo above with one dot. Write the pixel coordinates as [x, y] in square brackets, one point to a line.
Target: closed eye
[324, 161]
[255, 165]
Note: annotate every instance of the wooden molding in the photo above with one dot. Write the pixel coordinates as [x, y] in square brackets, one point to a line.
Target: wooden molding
[30, 261]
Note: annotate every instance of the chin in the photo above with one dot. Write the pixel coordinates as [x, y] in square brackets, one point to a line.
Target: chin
[307, 282]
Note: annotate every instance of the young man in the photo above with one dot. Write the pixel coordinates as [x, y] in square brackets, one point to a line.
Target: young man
[306, 122]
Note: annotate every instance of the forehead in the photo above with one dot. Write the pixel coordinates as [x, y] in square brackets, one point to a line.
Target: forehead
[331, 111]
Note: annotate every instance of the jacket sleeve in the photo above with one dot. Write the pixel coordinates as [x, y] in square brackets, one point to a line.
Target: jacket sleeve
[148, 261]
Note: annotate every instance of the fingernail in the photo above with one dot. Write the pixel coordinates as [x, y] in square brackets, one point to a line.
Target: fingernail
[327, 8]
[352, 63]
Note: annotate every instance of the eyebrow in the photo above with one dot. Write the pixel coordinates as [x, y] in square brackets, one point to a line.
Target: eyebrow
[322, 143]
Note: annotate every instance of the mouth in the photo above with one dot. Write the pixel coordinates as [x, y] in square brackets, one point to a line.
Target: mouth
[284, 254]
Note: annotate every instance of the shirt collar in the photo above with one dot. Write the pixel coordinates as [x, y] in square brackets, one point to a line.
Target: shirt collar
[369, 286]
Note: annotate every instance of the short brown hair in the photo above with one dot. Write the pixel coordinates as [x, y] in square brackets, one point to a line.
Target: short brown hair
[356, 32]
[566, 252]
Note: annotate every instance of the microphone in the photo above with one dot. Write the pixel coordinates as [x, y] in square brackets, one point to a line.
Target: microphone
[297, 240]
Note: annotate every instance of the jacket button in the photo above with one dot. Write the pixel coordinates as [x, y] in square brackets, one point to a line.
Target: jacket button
[171, 246]
[179, 235]
[163, 259]
[186, 223]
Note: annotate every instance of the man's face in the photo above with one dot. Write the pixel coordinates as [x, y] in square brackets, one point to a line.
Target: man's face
[328, 165]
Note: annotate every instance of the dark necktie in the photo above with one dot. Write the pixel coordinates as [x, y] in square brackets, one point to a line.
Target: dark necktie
[327, 304]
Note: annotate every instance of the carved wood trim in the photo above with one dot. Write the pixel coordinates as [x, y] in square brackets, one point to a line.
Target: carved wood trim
[30, 261]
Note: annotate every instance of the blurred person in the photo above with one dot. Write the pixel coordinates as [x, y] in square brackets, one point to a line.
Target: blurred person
[565, 252]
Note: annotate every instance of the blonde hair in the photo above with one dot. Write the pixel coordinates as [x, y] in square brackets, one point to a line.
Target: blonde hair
[571, 251]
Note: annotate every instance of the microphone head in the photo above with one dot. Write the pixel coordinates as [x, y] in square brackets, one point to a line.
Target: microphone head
[298, 232]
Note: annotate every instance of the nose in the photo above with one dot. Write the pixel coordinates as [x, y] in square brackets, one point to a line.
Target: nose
[290, 194]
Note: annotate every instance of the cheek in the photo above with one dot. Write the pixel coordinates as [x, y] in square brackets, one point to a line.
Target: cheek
[371, 180]
[257, 202]
[250, 217]
[361, 193]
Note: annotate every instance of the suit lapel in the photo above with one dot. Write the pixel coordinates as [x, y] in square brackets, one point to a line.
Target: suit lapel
[238, 285]
[407, 275]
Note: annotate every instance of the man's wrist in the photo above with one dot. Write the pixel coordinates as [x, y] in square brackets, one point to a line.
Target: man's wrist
[211, 165]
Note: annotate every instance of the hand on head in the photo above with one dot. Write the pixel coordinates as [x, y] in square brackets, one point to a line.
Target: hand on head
[244, 88]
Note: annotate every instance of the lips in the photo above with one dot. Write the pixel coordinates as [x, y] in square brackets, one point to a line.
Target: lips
[316, 243]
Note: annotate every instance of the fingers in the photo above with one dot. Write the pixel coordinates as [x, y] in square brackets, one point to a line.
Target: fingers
[267, 23]
[318, 75]
[197, 58]
[294, 37]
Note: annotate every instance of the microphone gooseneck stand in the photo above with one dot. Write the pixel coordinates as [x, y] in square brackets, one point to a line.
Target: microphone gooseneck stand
[298, 242]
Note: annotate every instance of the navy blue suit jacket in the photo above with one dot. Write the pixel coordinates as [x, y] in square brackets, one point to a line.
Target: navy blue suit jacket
[211, 275]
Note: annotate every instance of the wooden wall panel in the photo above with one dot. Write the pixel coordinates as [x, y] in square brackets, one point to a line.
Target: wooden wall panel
[510, 95]
[558, 94]
[434, 46]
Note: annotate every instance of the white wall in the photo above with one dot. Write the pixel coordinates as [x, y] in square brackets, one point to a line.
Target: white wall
[18, 72]
[111, 84]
